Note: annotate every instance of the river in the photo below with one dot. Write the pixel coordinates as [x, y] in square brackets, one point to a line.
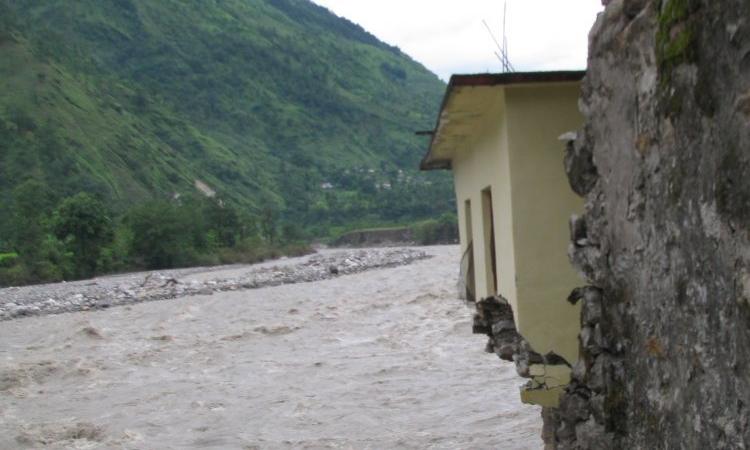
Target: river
[374, 360]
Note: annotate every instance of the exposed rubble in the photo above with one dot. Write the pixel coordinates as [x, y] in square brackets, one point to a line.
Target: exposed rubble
[547, 374]
[134, 288]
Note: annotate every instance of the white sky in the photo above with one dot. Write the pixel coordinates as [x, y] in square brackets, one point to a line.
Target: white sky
[448, 36]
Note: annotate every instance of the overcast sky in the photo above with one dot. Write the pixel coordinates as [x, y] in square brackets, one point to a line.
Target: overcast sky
[448, 36]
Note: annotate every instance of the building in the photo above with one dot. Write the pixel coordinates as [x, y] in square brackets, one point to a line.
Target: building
[499, 134]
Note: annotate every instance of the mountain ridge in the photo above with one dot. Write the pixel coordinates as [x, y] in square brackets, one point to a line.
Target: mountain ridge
[265, 102]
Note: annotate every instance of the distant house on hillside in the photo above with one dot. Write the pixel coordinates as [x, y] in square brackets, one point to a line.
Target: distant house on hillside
[498, 133]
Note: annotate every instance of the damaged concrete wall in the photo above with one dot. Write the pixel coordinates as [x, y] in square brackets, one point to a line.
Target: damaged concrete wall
[664, 164]
[548, 374]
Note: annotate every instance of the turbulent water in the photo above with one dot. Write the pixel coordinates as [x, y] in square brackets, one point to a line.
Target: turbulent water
[379, 359]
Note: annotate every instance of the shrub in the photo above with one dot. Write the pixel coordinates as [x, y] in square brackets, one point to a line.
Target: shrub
[15, 275]
[8, 259]
[436, 231]
[161, 238]
[114, 256]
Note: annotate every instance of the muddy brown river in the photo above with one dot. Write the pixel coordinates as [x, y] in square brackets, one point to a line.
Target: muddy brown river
[376, 360]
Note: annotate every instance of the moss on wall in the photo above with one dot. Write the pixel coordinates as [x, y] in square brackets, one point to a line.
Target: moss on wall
[676, 35]
[676, 44]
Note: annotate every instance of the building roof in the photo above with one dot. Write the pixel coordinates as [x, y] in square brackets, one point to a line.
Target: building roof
[431, 160]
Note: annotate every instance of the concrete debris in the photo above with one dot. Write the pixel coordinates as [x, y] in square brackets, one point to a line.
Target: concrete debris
[548, 374]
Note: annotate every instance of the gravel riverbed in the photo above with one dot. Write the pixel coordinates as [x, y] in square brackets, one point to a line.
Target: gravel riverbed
[374, 359]
[138, 287]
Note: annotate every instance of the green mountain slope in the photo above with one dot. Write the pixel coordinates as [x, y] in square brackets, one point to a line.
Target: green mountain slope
[272, 102]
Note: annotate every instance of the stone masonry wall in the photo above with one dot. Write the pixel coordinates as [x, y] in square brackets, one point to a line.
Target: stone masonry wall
[664, 164]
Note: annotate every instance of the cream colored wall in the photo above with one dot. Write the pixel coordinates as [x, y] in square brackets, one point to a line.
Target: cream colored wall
[542, 204]
[515, 151]
[484, 163]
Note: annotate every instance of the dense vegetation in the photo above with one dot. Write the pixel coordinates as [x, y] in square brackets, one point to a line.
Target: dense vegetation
[442, 230]
[78, 237]
[292, 115]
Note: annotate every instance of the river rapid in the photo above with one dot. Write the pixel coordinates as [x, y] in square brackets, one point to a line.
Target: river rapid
[379, 359]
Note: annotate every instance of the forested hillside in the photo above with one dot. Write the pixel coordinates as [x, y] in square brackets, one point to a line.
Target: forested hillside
[284, 110]
[264, 101]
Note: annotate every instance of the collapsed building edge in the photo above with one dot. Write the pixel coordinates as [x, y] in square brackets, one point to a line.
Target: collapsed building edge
[499, 134]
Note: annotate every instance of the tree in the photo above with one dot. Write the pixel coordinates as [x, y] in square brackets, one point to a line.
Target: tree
[291, 232]
[160, 235]
[31, 204]
[83, 224]
[268, 218]
[223, 220]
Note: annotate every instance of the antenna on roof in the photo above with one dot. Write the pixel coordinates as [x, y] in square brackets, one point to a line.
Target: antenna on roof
[502, 50]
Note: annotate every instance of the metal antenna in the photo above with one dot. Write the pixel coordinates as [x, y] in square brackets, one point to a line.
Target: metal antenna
[505, 39]
[502, 50]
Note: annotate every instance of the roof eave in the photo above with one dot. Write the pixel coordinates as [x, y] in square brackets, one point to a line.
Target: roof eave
[491, 79]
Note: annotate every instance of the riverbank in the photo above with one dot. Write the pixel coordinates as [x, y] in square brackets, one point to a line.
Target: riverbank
[108, 291]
